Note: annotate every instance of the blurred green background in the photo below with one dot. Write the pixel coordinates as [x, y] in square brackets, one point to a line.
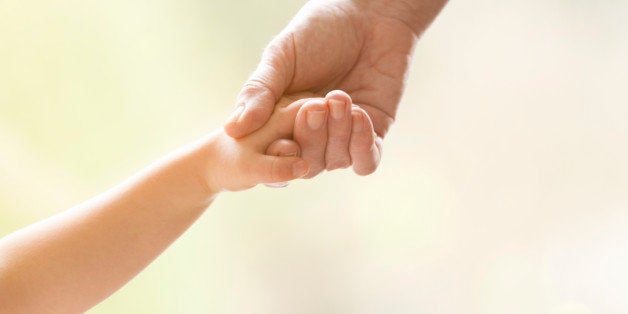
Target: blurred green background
[503, 188]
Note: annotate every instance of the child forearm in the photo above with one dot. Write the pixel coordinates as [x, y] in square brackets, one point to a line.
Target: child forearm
[75, 259]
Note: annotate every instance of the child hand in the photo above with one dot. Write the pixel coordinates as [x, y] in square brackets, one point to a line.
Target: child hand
[237, 164]
[282, 147]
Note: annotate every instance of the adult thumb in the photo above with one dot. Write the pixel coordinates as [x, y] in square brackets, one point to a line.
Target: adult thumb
[257, 98]
[273, 169]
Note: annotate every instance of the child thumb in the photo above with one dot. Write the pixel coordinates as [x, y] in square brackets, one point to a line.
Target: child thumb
[273, 169]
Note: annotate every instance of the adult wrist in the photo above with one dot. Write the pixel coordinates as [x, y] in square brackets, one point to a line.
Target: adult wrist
[416, 14]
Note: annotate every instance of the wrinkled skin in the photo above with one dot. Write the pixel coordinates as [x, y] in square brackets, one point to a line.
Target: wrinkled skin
[363, 48]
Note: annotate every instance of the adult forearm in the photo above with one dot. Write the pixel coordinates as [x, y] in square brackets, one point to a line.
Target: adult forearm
[72, 261]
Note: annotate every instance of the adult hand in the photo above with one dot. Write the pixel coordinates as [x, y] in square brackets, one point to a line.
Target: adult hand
[361, 47]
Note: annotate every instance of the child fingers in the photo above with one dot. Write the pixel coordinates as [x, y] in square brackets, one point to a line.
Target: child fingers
[274, 169]
[310, 131]
[338, 130]
[283, 147]
[286, 148]
[365, 147]
[280, 125]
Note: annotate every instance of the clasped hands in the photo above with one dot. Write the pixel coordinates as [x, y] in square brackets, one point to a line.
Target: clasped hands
[327, 132]
[350, 58]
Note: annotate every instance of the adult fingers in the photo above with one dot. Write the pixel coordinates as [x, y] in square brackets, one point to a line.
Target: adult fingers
[338, 130]
[286, 148]
[310, 130]
[366, 146]
[258, 96]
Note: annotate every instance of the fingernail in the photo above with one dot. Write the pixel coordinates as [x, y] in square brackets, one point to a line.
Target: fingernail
[293, 154]
[277, 185]
[358, 122]
[337, 108]
[235, 117]
[315, 119]
[300, 168]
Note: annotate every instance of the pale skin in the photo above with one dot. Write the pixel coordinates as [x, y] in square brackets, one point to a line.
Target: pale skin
[363, 47]
[70, 262]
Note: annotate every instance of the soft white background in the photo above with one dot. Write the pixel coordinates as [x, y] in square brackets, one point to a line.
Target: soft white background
[503, 189]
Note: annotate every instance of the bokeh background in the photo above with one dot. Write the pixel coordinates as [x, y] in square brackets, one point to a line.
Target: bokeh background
[503, 188]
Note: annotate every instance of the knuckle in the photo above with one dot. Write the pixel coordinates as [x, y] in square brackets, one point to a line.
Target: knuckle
[253, 85]
[256, 92]
[257, 83]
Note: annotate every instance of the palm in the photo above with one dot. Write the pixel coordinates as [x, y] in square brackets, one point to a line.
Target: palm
[359, 47]
[362, 53]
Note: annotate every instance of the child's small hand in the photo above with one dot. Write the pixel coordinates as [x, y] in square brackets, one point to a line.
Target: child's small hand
[237, 164]
[286, 148]
[270, 156]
